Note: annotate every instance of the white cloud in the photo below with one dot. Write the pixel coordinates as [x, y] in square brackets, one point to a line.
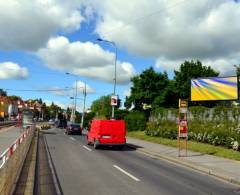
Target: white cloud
[10, 70]
[28, 24]
[176, 31]
[70, 91]
[127, 92]
[81, 86]
[84, 59]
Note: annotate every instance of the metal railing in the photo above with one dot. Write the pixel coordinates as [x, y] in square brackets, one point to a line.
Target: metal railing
[12, 159]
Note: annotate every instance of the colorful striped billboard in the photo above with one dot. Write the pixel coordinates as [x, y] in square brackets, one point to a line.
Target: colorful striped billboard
[217, 88]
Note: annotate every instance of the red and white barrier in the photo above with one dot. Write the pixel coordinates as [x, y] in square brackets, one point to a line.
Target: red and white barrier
[10, 151]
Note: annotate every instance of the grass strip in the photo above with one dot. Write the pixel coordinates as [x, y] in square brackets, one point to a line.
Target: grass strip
[194, 146]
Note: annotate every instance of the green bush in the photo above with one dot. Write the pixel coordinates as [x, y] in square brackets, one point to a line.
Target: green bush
[226, 134]
[163, 128]
[135, 121]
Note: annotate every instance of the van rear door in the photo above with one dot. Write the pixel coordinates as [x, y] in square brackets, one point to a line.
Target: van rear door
[113, 132]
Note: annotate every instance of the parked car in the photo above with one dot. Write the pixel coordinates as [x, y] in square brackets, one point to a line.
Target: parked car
[73, 128]
[107, 132]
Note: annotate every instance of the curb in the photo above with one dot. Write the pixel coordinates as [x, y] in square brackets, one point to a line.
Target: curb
[52, 168]
[27, 187]
[187, 164]
[32, 171]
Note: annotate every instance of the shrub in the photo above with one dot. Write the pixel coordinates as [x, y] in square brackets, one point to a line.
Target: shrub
[225, 134]
[162, 128]
[135, 121]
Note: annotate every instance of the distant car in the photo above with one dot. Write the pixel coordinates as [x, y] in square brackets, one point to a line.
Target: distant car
[73, 128]
[51, 122]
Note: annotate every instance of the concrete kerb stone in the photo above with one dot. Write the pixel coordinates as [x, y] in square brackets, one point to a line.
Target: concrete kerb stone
[27, 186]
[184, 163]
[31, 176]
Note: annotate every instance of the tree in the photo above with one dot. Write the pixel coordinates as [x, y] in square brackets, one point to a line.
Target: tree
[14, 97]
[189, 70]
[237, 69]
[3, 93]
[146, 88]
[101, 107]
[168, 98]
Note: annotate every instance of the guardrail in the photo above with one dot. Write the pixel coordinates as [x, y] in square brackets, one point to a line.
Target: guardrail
[12, 159]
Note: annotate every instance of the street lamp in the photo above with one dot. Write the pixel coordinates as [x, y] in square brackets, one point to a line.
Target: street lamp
[115, 64]
[75, 102]
[84, 102]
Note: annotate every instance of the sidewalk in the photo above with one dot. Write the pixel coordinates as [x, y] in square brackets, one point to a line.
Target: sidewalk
[220, 167]
[7, 136]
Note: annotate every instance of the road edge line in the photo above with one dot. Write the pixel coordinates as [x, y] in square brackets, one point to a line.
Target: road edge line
[53, 171]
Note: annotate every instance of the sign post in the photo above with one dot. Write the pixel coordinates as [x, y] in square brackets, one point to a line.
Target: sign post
[182, 127]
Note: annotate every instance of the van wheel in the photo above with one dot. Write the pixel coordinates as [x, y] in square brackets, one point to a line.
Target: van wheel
[95, 145]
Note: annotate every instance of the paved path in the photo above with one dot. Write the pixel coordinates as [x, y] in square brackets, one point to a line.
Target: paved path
[8, 136]
[217, 166]
[82, 170]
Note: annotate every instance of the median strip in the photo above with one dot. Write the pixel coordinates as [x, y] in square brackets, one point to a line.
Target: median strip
[87, 148]
[126, 173]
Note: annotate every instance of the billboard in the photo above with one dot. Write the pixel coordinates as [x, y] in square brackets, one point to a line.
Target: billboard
[214, 88]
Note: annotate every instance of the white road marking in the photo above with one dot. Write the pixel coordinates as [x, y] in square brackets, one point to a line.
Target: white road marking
[72, 138]
[87, 148]
[126, 173]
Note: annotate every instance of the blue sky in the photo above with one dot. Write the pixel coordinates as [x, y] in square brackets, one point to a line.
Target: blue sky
[41, 40]
[41, 77]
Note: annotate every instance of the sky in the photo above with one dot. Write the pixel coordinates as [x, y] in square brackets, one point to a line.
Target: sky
[42, 40]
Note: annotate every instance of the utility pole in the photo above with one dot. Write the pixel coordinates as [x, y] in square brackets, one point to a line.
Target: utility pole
[75, 102]
[84, 101]
[115, 69]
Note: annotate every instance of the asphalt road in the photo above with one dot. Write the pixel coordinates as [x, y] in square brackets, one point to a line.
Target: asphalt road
[7, 136]
[82, 170]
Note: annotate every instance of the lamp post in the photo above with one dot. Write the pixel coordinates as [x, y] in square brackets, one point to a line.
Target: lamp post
[115, 66]
[75, 100]
[84, 101]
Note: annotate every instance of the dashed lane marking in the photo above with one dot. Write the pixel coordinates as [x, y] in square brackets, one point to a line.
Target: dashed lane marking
[126, 173]
[87, 148]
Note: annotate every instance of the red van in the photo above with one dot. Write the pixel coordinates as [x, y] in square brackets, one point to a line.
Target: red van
[107, 132]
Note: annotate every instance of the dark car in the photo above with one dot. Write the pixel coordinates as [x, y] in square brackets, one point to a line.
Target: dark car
[73, 128]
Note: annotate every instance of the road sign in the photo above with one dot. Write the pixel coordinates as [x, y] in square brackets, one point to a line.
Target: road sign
[183, 103]
[114, 100]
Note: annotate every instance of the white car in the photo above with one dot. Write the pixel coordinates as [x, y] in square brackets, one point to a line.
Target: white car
[51, 122]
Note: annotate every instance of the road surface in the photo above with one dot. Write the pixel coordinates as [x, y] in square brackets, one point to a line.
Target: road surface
[82, 170]
[7, 136]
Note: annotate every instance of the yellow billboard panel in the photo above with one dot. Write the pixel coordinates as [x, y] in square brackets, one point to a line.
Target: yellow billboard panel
[217, 88]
